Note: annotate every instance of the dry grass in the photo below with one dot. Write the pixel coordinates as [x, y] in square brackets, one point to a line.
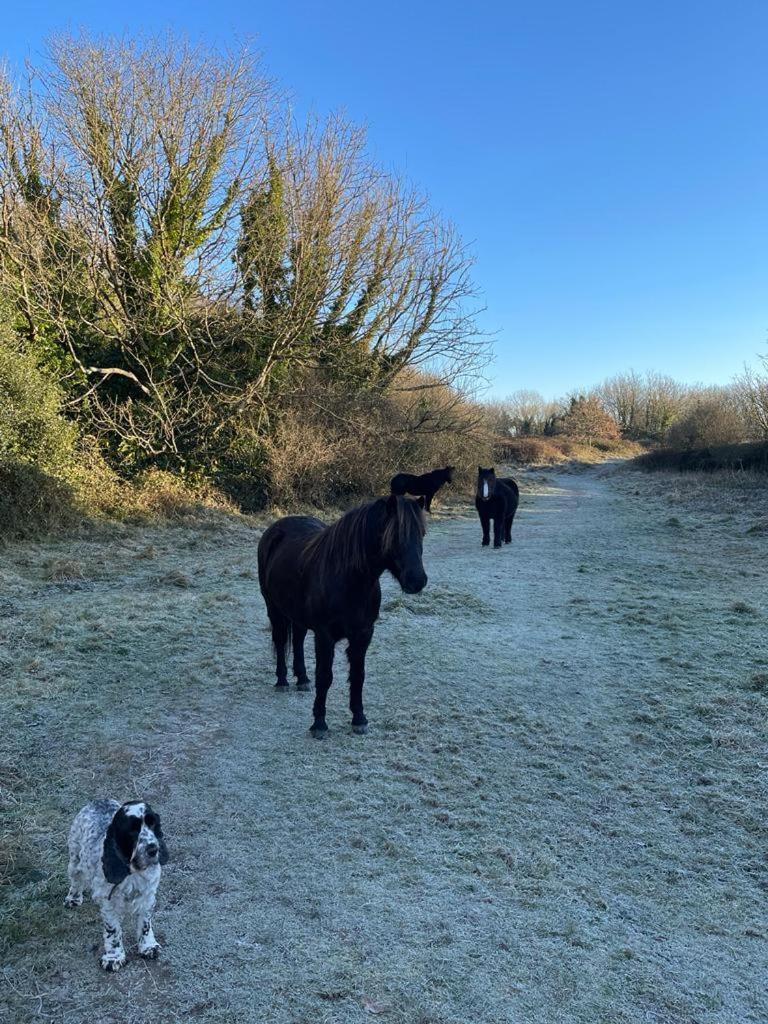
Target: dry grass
[552, 820]
[740, 495]
[553, 451]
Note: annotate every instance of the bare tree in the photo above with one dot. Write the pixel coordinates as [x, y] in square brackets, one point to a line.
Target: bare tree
[752, 396]
[622, 397]
[710, 416]
[344, 267]
[523, 413]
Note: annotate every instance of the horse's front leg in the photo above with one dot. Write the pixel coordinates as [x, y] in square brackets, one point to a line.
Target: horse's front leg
[324, 646]
[498, 530]
[485, 522]
[356, 650]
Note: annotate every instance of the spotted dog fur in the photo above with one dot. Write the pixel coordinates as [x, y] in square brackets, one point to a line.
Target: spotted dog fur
[115, 851]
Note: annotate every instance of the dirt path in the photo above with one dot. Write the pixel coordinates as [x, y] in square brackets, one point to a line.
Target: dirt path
[557, 816]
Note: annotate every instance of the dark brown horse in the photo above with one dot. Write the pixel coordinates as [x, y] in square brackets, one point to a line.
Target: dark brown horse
[326, 578]
[496, 499]
[426, 485]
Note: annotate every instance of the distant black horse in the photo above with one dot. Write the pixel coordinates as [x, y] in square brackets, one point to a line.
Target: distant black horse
[425, 486]
[496, 499]
[326, 578]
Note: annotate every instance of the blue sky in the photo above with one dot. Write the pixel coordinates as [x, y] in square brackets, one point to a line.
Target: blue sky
[607, 161]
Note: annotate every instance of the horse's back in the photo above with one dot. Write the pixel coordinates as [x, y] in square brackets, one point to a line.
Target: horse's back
[284, 541]
[400, 483]
[513, 493]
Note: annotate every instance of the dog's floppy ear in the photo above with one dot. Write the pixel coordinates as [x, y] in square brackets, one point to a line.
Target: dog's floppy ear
[114, 862]
[163, 853]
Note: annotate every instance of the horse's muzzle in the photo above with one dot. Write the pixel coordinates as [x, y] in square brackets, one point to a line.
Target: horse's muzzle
[414, 584]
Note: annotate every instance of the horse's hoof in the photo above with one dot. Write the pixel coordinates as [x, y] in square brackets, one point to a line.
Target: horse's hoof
[485, 543]
[360, 730]
[282, 686]
[303, 686]
[497, 545]
[318, 731]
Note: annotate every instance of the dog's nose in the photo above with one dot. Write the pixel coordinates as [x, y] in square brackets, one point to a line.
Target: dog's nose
[152, 849]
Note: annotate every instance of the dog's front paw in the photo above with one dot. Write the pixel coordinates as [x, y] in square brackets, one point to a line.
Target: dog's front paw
[73, 899]
[150, 952]
[112, 962]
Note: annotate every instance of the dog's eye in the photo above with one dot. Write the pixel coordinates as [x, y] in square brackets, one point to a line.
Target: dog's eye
[134, 824]
[150, 820]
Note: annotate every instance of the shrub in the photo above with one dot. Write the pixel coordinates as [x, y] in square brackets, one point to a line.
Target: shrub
[586, 420]
[711, 421]
[735, 457]
[33, 502]
[332, 447]
[527, 451]
[32, 430]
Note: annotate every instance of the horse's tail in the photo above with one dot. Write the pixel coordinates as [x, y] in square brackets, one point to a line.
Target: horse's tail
[269, 541]
[281, 625]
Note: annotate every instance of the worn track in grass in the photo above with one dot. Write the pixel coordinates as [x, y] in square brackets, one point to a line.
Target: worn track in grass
[557, 816]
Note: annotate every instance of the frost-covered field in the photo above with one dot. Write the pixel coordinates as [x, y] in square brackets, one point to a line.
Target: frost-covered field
[558, 814]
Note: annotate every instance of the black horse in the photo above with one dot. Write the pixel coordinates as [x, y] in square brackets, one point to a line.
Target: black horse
[425, 486]
[496, 499]
[326, 578]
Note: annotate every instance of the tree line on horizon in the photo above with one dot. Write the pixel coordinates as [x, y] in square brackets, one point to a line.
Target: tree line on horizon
[649, 408]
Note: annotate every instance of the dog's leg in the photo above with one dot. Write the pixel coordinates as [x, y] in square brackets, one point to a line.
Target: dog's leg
[114, 953]
[76, 882]
[149, 947]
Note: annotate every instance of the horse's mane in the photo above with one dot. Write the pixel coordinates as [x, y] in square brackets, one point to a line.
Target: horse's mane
[346, 543]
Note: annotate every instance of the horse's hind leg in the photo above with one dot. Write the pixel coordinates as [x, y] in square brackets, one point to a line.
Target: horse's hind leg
[324, 646]
[299, 667]
[280, 632]
[358, 645]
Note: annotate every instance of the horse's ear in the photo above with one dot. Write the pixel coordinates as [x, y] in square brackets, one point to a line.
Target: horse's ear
[479, 469]
[420, 501]
[114, 863]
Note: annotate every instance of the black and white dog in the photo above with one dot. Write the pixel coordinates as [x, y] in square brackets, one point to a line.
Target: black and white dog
[116, 850]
